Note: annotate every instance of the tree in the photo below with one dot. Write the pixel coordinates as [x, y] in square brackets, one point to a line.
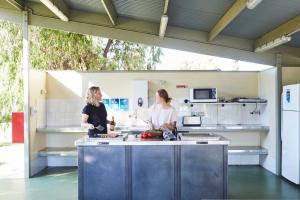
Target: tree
[59, 50]
[11, 80]
[52, 49]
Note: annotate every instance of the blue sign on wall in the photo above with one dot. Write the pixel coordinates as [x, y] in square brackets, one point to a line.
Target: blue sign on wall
[124, 104]
[106, 103]
[115, 104]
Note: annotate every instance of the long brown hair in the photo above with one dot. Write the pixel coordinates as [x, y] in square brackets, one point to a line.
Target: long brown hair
[164, 94]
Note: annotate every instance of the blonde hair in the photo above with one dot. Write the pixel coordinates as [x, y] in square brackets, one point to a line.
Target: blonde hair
[90, 97]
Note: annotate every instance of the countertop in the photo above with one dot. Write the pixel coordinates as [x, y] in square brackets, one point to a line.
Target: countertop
[225, 128]
[132, 140]
[203, 128]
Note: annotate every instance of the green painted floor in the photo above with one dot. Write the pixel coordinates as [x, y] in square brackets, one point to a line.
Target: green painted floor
[245, 182]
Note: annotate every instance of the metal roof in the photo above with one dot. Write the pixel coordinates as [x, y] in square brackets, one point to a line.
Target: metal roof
[265, 17]
[202, 15]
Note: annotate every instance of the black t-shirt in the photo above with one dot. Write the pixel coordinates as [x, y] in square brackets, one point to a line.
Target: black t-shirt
[97, 116]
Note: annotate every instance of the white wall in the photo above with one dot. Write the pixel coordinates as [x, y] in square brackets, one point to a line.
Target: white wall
[37, 119]
[290, 75]
[66, 90]
[268, 90]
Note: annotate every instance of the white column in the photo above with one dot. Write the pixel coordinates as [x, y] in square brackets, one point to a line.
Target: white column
[26, 70]
[278, 104]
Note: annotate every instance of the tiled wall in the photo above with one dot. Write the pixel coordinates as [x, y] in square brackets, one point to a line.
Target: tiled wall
[218, 114]
[41, 113]
[64, 113]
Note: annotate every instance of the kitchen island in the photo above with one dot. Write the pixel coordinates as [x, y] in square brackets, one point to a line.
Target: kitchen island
[123, 168]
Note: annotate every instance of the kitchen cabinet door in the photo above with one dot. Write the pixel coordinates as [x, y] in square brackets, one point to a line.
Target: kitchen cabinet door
[203, 172]
[102, 173]
[153, 172]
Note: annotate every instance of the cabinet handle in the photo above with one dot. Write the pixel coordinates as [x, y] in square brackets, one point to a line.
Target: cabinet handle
[202, 142]
[103, 143]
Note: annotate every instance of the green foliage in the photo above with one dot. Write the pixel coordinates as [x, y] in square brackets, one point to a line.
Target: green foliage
[59, 50]
[132, 56]
[11, 80]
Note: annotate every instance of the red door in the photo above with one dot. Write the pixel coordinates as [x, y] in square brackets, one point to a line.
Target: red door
[17, 127]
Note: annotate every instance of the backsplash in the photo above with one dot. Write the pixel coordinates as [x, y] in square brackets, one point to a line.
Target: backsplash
[64, 113]
[221, 114]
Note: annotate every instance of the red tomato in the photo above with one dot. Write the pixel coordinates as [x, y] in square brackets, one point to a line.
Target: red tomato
[144, 135]
[149, 135]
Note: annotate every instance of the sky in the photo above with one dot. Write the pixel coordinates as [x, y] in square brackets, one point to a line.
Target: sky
[175, 59]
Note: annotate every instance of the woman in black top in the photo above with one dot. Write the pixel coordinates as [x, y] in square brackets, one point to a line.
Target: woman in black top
[94, 113]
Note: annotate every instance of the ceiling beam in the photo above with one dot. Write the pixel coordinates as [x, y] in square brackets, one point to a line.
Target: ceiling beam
[235, 9]
[18, 4]
[163, 21]
[58, 7]
[166, 7]
[286, 29]
[110, 10]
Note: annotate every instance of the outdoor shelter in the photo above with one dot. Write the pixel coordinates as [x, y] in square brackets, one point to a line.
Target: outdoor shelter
[233, 29]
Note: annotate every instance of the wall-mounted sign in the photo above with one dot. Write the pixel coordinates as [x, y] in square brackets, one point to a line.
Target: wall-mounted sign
[123, 104]
[106, 103]
[115, 104]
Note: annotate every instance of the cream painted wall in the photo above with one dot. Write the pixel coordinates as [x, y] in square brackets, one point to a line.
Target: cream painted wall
[117, 84]
[290, 75]
[37, 141]
[70, 85]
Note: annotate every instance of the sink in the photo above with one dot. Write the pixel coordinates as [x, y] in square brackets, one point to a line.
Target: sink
[132, 129]
[199, 136]
[202, 127]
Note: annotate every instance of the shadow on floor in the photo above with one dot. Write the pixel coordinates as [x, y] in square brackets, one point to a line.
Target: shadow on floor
[254, 182]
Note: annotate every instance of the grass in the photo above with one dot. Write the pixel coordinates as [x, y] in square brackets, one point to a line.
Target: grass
[3, 144]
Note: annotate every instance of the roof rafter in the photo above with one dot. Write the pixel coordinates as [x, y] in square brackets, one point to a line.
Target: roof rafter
[58, 7]
[234, 11]
[286, 29]
[18, 4]
[110, 10]
[164, 21]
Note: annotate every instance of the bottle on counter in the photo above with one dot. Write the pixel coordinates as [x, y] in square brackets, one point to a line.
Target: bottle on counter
[112, 124]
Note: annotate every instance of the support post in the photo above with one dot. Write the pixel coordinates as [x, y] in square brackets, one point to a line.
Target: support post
[26, 72]
[278, 103]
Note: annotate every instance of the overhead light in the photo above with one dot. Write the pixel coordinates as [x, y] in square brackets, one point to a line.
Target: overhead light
[251, 4]
[49, 4]
[274, 43]
[16, 4]
[163, 26]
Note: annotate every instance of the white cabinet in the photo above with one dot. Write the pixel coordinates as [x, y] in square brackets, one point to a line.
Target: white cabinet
[139, 94]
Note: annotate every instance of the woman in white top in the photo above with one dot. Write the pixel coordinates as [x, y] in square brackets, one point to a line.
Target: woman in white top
[162, 114]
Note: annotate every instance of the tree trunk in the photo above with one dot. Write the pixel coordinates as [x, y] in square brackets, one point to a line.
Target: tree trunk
[106, 50]
[108, 45]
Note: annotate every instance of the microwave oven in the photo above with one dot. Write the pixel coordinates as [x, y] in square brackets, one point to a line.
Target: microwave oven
[199, 95]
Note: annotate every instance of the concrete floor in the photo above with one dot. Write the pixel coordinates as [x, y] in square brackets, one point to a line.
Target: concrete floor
[12, 161]
[245, 182]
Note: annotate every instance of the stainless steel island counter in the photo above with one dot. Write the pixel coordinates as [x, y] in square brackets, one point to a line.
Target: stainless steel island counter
[132, 168]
